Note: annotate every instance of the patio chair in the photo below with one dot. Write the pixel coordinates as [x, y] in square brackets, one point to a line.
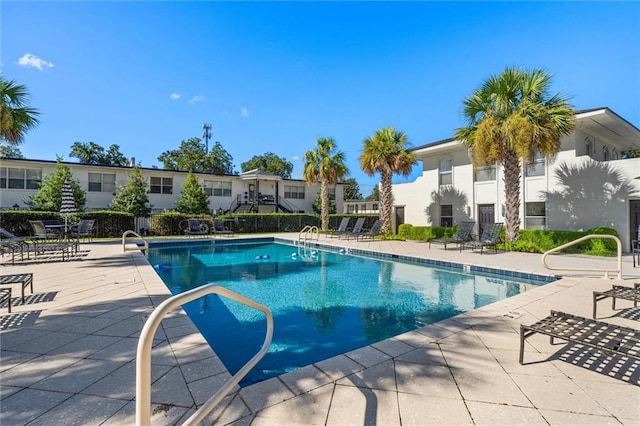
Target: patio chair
[462, 236]
[26, 280]
[195, 227]
[490, 238]
[617, 292]
[5, 295]
[83, 230]
[40, 231]
[342, 228]
[357, 228]
[373, 231]
[219, 228]
[14, 244]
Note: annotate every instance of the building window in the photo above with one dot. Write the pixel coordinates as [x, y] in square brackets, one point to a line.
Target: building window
[534, 215]
[605, 153]
[446, 215]
[161, 185]
[102, 182]
[483, 174]
[536, 168]
[217, 188]
[614, 154]
[332, 194]
[446, 173]
[588, 144]
[14, 178]
[292, 191]
[352, 208]
[374, 207]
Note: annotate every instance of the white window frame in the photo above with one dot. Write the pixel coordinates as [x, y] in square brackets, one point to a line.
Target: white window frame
[103, 186]
[218, 188]
[537, 168]
[533, 220]
[589, 145]
[605, 153]
[446, 219]
[445, 172]
[164, 186]
[294, 192]
[28, 178]
[485, 174]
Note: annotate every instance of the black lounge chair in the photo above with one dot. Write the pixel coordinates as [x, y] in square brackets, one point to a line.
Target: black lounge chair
[617, 292]
[83, 230]
[462, 236]
[194, 227]
[26, 280]
[5, 295]
[342, 228]
[373, 231]
[10, 242]
[490, 238]
[357, 228]
[610, 339]
[219, 228]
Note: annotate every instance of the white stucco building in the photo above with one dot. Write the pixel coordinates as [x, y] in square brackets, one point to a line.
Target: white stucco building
[588, 184]
[252, 190]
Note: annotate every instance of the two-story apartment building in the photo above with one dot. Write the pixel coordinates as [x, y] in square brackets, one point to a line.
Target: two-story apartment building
[588, 184]
[250, 191]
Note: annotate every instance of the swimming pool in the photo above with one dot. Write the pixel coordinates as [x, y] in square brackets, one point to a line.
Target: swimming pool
[324, 303]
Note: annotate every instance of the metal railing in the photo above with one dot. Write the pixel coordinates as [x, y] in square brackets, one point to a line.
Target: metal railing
[125, 247]
[143, 358]
[579, 240]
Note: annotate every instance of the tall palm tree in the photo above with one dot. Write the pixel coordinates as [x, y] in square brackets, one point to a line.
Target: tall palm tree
[324, 165]
[512, 118]
[16, 117]
[386, 153]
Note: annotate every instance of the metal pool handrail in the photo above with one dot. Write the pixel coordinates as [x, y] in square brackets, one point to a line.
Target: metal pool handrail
[143, 358]
[587, 237]
[124, 242]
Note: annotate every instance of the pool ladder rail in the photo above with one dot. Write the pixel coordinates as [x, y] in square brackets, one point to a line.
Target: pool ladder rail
[143, 358]
[305, 237]
[135, 246]
[606, 272]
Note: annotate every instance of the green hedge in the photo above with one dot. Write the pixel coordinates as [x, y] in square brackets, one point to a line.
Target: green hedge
[530, 241]
[108, 223]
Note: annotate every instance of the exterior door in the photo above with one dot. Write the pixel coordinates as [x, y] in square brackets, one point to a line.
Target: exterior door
[399, 217]
[486, 216]
[634, 220]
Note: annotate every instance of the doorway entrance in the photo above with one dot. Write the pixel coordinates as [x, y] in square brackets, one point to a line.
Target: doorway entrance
[399, 216]
[486, 216]
[634, 220]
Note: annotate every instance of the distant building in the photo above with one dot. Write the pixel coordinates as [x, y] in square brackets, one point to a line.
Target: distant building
[252, 191]
[589, 183]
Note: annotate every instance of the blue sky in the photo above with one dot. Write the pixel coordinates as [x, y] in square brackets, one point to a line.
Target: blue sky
[276, 76]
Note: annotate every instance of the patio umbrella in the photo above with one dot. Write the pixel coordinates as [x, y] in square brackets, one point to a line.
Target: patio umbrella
[68, 205]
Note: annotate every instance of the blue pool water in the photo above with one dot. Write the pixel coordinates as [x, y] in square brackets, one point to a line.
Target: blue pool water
[323, 304]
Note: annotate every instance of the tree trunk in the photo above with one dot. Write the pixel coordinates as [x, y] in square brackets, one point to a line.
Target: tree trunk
[324, 210]
[386, 200]
[512, 173]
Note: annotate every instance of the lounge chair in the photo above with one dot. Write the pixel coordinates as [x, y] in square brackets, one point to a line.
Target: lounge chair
[490, 238]
[219, 228]
[12, 243]
[462, 236]
[195, 227]
[5, 295]
[40, 231]
[357, 228]
[83, 230]
[617, 292]
[373, 231]
[342, 228]
[609, 339]
[26, 280]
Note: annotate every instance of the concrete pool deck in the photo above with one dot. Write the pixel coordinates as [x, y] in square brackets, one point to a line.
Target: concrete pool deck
[68, 354]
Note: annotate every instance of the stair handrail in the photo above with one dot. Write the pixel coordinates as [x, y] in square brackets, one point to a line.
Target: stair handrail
[579, 240]
[143, 356]
[133, 233]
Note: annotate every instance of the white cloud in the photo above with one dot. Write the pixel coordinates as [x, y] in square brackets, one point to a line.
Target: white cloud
[29, 60]
[244, 112]
[295, 158]
[197, 98]
[174, 96]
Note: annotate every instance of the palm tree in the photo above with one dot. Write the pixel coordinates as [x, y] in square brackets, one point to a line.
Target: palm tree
[386, 153]
[511, 118]
[16, 118]
[326, 166]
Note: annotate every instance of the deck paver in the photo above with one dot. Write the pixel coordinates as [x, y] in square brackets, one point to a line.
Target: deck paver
[68, 355]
